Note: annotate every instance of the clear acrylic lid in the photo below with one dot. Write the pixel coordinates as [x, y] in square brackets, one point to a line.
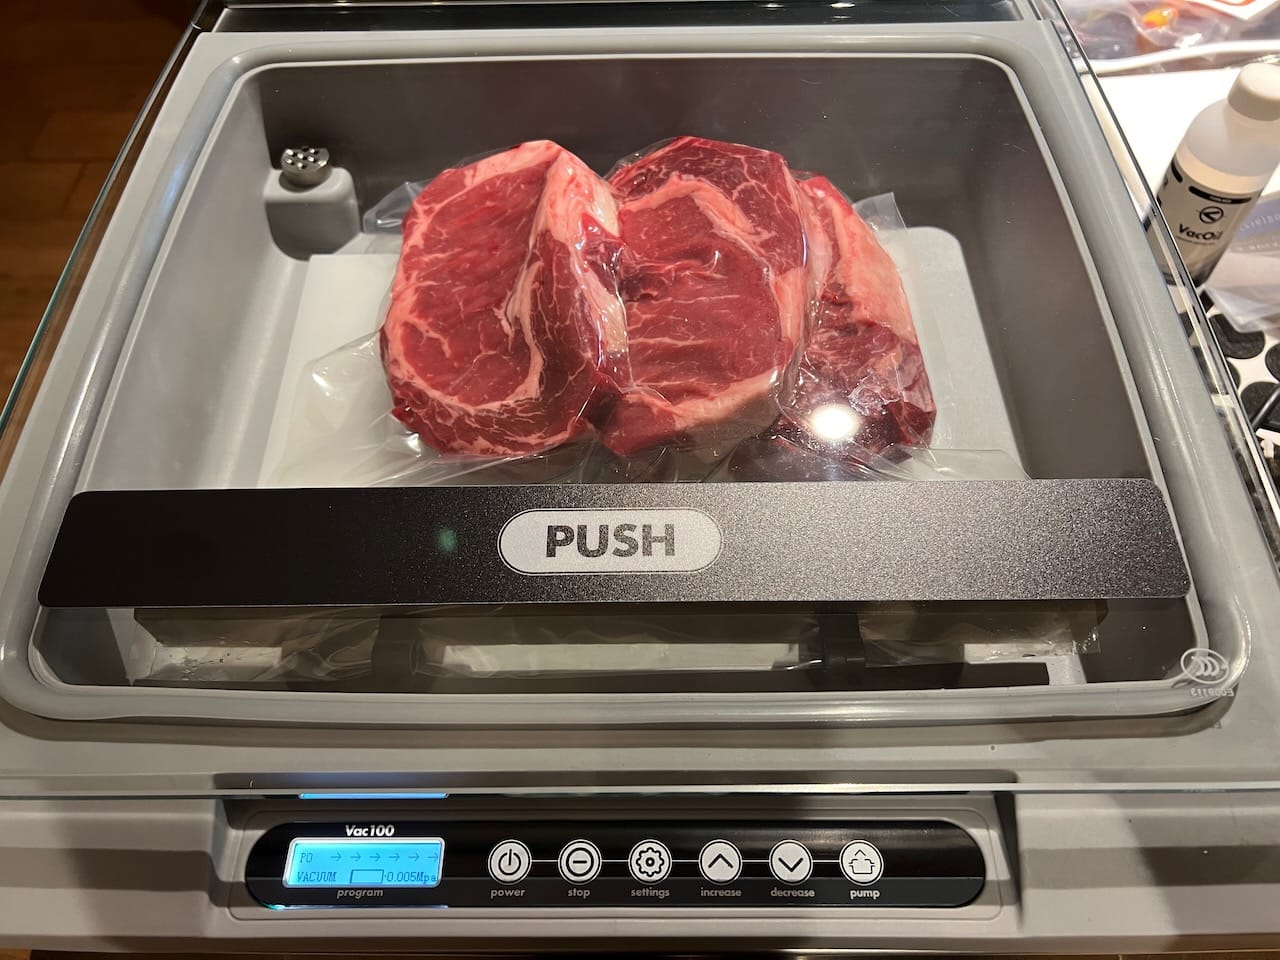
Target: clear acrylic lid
[1036, 515]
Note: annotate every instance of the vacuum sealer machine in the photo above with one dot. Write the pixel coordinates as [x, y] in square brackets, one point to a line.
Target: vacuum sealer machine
[261, 687]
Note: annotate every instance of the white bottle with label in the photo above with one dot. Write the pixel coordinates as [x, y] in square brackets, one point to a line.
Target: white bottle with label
[1221, 167]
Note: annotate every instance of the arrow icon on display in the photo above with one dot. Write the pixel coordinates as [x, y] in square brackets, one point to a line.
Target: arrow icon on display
[355, 856]
[413, 856]
[336, 856]
[394, 856]
[375, 857]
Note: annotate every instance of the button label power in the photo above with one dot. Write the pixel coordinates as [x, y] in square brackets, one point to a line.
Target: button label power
[509, 861]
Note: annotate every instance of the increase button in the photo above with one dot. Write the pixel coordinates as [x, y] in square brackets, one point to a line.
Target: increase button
[720, 861]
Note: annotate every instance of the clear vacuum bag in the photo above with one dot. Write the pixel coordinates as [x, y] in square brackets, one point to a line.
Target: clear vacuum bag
[706, 313]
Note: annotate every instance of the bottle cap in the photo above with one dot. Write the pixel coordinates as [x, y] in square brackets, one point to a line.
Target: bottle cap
[1256, 92]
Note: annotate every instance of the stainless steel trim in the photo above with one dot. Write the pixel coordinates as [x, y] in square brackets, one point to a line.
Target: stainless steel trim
[307, 15]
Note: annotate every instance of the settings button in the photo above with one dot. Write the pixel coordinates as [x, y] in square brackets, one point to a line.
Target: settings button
[650, 861]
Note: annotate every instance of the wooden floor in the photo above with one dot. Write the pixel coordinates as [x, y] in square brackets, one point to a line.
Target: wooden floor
[73, 76]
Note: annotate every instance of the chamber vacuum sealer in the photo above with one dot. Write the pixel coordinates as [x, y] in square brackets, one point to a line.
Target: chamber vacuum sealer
[262, 687]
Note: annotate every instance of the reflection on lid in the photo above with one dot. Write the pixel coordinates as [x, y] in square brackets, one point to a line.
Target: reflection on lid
[834, 421]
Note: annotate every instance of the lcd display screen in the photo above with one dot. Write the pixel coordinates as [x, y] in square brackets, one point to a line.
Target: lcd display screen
[364, 862]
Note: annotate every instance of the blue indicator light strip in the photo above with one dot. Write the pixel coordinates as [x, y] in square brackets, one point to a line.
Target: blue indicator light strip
[372, 796]
[378, 862]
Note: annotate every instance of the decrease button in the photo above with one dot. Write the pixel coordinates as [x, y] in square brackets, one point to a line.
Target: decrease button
[791, 862]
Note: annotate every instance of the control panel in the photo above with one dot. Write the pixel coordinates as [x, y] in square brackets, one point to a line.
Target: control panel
[898, 863]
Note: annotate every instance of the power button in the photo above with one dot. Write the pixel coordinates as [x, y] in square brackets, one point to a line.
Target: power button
[509, 861]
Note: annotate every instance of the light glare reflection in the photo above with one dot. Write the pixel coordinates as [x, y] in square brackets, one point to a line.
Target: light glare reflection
[834, 421]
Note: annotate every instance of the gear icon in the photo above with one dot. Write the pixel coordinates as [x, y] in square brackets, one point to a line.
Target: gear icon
[650, 861]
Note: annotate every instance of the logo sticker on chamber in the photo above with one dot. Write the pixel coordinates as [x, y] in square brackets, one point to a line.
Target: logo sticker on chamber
[1207, 670]
[1202, 665]
[643, 540]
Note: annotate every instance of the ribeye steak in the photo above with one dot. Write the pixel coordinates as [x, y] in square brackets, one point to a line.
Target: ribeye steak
[504, 319]
[713, 277]
[862, 384]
